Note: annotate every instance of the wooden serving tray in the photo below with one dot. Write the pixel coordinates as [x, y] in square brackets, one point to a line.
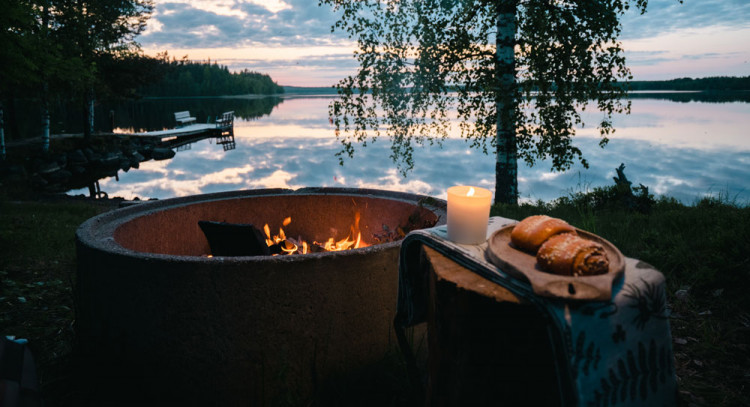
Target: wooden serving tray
[503, 254]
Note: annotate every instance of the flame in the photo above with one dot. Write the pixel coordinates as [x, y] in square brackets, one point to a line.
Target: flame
[471, 192]
[292, 246]
[288, 247]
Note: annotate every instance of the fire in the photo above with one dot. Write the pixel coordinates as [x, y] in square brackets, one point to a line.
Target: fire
[288, 245]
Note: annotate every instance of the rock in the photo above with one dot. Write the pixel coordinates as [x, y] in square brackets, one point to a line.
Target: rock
[61, 159]
[162, 153]
[146, 151]
[48, 167]
[93, 157]
[38, 182]
[682, 295]
[59, 176]
[77, 158]
[137, 156]
[77, 169]
[111, 161]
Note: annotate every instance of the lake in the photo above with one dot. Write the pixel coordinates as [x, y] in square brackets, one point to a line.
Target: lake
[685, 146]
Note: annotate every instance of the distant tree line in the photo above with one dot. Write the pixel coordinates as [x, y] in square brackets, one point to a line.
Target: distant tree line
[185, 78]
[715, 83]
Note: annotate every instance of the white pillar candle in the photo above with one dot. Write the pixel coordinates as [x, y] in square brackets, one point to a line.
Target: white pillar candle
[468, 214]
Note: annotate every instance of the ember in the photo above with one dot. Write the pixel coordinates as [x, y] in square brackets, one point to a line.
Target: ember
[281, 244]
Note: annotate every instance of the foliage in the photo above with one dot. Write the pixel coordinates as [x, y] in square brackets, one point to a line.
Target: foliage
[17, 17]
[185, 78]
[518, 72]
[122, 75]
[619, 196]
[89, 30]
[62, 50]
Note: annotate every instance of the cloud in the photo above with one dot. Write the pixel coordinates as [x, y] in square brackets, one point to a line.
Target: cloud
[664, 16]
[201, 24]
[240, 24]
[649, 57]
[712, 55]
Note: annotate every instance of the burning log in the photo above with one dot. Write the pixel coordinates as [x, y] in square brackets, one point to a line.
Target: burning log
[281, 244]
[234, 239]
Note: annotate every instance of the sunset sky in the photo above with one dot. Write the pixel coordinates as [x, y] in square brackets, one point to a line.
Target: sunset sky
[291, 40]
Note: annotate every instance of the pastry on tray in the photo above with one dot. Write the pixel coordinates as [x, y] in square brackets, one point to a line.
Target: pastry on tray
[571, 255]
[531, 232]
[558, 248]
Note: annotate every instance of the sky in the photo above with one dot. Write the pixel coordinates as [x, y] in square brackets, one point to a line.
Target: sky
[291, 40]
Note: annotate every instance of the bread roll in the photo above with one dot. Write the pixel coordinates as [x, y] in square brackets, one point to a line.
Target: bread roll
[571, 255]
[531, 232]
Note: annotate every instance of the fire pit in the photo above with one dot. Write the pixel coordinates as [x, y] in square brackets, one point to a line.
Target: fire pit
[158, 318]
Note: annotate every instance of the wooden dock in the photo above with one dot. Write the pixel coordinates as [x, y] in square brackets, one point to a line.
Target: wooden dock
[224, 124]
[189, 130]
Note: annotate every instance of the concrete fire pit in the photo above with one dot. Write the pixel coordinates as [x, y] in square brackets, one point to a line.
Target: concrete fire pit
[158, 320]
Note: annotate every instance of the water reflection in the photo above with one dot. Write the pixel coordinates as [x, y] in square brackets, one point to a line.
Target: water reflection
[133, 116]
[684, 150]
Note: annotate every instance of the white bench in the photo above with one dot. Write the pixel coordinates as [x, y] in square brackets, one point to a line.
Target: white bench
[225, 120]
[183, 118]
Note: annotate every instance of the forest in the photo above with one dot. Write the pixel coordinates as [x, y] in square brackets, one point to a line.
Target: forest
[714, 83]
[187, 78]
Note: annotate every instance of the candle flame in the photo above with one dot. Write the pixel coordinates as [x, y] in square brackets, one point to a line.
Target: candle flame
[471, 192]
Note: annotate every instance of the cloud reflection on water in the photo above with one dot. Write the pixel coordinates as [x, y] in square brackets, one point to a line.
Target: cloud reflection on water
[684, 150]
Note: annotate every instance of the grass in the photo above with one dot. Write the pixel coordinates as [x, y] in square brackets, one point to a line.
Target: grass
[37, 267]
[703, 250]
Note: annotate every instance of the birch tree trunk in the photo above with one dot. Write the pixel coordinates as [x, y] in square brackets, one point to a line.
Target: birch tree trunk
[45, 85]
[45, 118]
[506, 167]
[92, 101]
[89, 113]
[2, 132]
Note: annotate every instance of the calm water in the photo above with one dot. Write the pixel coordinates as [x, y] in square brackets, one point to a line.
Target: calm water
[683, 147]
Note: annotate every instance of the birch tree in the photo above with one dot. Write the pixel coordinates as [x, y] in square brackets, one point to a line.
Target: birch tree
[517, 72]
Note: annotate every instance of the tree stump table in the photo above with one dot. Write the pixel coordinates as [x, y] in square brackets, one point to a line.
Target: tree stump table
[486, 346]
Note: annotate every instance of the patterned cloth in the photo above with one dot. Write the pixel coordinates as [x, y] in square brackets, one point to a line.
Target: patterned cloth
[616, 352]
